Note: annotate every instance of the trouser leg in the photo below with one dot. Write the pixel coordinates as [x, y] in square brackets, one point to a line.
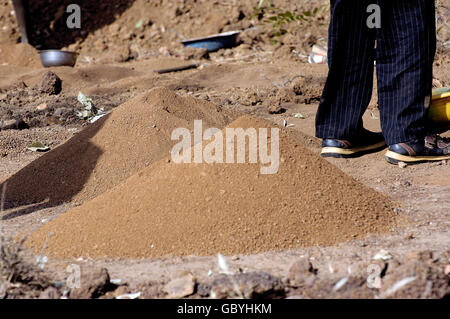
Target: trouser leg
[349, 84]
[406, 46]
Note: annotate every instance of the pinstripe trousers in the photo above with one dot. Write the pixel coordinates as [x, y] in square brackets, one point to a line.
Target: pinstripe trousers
[403, 47]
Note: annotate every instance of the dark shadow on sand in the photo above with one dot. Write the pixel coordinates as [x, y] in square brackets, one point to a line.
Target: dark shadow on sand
[47, 20]
[55, 177]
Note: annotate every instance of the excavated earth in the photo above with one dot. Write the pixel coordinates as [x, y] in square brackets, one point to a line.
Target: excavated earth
[205, 209]
[109, 198]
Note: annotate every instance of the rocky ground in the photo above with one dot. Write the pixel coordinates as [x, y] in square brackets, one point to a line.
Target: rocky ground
[266, 75]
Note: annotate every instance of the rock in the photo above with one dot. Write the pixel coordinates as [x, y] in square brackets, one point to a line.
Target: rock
[94, 283]
[274, 106]
[402, 165]
[50, 84]
[19, 86]
[300, 272]
[13, 125]
[4, 285]
[247, 285]
[382, 255]
[60, 111]
[126, 35]
[114, 29]
[297, 85]
[447, 270]
[391, 265]
[275, 109]
[251, 99]
[100, 45]
[164, 51]
[122, 54]
[347, 287]
[350, 288]
[180, 287]
[121, 290]
[285, 95]
[195, 54]
[283, 52]
[416, 279]
[8, 124]
[50, 293]
[424, 255]
[42, 107]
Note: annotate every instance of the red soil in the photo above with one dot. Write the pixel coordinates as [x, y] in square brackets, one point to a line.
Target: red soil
[203, 209]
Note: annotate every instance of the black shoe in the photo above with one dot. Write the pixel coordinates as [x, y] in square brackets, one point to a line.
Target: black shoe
[432, 148]
[364, 143]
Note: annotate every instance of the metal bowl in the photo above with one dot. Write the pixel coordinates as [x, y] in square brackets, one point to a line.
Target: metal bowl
[213, 42]
[58, 58]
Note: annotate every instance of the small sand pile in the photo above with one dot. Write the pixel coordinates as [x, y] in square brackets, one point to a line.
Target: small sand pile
[133, 136]
[203, 209]
[20, 54]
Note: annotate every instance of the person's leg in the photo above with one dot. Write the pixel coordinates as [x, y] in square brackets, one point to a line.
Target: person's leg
[406, 45]
[351, 52]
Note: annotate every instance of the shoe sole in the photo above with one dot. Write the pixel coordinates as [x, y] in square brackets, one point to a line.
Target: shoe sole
[395, 158]
[351, 152]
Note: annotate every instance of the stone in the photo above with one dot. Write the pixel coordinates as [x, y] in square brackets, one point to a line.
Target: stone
[50, 293]
[4, 285]
[60, 111]
[252, 99]
[195, 54]
[244, 285]
[415, 279]
[285, 95]
[121, 290]
[422, 255]
[297, 85]
[274, 106]
[42, 107]
[180, 287]
[50, 84]
[13, 125]
[100, 45]
[402, 165]
[114, 29]
[447, 270]
[300, 272]
[94, 283]
[122, 54]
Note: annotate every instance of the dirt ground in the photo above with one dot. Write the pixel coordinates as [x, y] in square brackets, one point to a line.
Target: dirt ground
[118, 56]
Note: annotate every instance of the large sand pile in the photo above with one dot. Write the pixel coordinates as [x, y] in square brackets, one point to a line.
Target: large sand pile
[134, 135]
[203, 209]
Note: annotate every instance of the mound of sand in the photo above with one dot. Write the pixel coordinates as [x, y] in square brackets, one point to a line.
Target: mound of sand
[134, 135]
[20, 54]
[203, 209]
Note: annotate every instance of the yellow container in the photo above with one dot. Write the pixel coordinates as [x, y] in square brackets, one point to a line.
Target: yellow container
[440, 106]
